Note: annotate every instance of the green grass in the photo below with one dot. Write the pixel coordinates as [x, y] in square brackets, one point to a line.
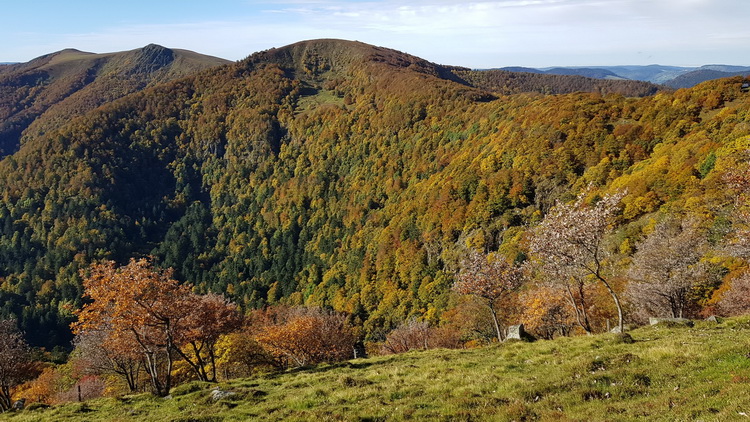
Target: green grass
[700, 373]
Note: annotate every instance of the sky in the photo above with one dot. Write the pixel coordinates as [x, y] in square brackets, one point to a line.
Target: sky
[476, 34]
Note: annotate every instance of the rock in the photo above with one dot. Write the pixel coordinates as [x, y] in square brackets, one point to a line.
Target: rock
[516, 332]
[671, 321]
[712, 318]
[218, 394]
[624, 338]
[19, 404]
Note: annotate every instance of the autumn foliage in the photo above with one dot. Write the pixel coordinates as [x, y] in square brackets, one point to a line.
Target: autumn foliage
[303, 336]
[142, 311]
[489, 278]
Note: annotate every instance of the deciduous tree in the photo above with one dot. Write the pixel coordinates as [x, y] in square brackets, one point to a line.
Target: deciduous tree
[666, 266]
[15, 361]
[99, 352]
[490, 279]
[211, 316]
[570, 241]
[140, 303]
[309, 335]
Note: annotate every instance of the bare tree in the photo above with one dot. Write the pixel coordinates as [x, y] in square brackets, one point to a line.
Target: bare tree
[572, 285]
[410, 335]
[569, 242]
[736, 300]
[666, 266]
[15, 361]
[489, 279]
[93, 358]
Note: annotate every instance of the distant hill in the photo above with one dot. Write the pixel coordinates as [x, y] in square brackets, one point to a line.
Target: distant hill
[707, 73]
[586, 72]
[671, 76]
[520, 69]
[506, 82]
[49, 90]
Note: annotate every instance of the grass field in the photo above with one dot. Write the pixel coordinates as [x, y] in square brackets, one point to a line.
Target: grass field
[668, 373]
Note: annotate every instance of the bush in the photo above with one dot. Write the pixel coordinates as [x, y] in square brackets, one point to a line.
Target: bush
[305, 336]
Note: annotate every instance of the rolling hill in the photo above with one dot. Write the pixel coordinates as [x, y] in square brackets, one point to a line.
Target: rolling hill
[50, 90]
[670, 76]
[338, 174]
[706, 73]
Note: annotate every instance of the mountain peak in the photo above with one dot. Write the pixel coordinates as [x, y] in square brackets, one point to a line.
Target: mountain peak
[150, 58]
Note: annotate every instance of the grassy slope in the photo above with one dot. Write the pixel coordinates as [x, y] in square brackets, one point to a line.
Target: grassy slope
[701, 373]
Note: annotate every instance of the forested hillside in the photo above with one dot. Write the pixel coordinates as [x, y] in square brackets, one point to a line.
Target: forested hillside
[339, 174]
[48, 91]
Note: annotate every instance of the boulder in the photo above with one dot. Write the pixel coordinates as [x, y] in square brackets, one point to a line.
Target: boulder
[19, 404]
[516, 332]
[218, 394]
[671, 321]
[712, 318]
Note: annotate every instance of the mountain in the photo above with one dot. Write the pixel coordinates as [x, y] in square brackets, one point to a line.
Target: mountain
[520, 69]
[671, 76]
[652, 73]
[583, 71]
[507, 83]
[705, 73]
[50, 90]
[345, 175]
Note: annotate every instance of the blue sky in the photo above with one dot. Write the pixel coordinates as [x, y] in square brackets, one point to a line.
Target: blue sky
[478, 34]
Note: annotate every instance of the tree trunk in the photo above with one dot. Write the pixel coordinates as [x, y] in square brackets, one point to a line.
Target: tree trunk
[5, 398]
[198, 366]
[497, 324]
[612, 293]
[581, 316]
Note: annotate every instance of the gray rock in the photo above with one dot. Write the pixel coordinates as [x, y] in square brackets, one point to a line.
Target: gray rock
[712, 318]
[218, 394]
[516, 332]
[671, 321]
[19, 404]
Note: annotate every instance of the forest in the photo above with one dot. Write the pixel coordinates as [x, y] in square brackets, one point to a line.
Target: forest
[336, 187]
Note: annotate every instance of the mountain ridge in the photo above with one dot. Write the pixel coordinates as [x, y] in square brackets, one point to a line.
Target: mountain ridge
[670, 76]
[51, 89]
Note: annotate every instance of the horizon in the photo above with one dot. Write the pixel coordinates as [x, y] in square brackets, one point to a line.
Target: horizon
[477, 34]
[542, 67]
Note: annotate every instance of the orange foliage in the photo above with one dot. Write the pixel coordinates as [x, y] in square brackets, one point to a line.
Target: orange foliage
[547, 312]
[309, 336]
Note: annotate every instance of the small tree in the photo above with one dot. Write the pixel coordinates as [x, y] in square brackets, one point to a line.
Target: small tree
[491, 280]
[570, 241]
[239, 355]
[139, 304]
[666, 267]
[99, 352]
[410, 335]
[15, 361]
[212, 316]
[546, 312]
[736, 300]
